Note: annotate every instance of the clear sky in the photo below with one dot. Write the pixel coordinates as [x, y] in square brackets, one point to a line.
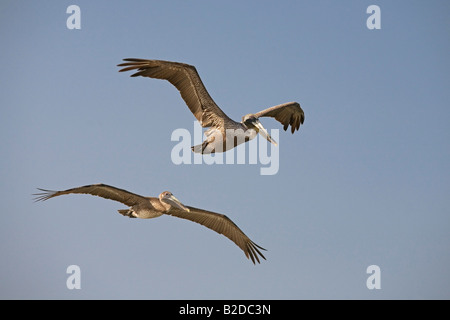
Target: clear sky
[364, 182]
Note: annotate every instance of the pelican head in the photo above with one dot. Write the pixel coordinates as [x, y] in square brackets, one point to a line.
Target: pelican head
[252, 122]
[167, 197]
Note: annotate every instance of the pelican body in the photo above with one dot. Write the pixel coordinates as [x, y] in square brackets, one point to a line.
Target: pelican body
[223, 133]
[166, 203]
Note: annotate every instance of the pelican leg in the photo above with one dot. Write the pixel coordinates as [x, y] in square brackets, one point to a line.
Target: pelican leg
[200, 148]
[208, 146]
[126, 213]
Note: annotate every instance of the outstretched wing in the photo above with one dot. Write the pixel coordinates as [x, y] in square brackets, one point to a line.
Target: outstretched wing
[289, 113]
[101, 190]
[222, 225]
[187, 80]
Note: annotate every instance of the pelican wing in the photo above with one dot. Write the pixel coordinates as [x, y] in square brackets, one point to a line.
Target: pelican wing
[222, 225]
[187, 80]
[101, 190]
[289, 113]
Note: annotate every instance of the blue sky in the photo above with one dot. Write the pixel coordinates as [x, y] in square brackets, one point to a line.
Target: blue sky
[364, 182]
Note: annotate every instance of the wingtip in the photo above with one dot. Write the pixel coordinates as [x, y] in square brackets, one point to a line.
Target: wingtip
[253, 252]
[42, 196]
[129, 64]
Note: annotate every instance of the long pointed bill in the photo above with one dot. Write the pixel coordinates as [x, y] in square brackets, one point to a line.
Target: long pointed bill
[264, 132]
[175, 202]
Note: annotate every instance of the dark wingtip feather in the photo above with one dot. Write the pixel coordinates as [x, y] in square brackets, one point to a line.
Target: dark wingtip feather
[127, 68]
[134, 59]
[133, 63]
[42, 196]
[253, 252]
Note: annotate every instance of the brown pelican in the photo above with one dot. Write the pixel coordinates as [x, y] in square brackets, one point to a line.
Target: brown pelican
[222, 129]
[166, 203]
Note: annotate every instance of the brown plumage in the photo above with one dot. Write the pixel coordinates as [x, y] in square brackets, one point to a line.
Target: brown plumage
[288, 114]
[166, 203]
[187, 80]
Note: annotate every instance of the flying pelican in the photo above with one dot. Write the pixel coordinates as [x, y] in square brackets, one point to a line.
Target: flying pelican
[166, 203]
[222, 129]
